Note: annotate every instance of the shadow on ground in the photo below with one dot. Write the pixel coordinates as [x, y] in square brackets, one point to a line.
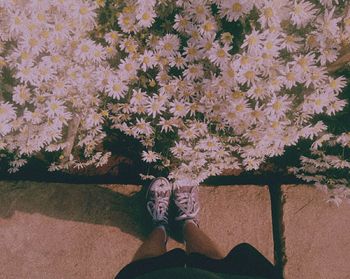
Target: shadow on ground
[83, 203]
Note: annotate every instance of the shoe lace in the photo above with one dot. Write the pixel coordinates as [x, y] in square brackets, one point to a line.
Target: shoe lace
[158, 208]
[187, 204]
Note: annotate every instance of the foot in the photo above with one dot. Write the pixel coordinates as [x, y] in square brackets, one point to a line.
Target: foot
[186, 199]
[158, 197]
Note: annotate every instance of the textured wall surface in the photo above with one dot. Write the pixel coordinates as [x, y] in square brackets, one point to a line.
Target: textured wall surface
[53, 230]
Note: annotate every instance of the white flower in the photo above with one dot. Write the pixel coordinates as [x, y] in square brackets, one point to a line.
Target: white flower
[327, 23]
[188, 134]
[228, 72]
[44, 72]
[271, 13]
[226, 38]
[328, 55]
[17, 21]
[247, 76]
[179, 149]
[313, 131]
[335, 85]
[143, 127]
[54, 107]
[178, 108]
[277, 107]
[129, 45]
[85, 12]
[128, 69]
[318, 102]
[147, 60]
[291, 42]
[84, 50]
[112, 37]
[336, 106]
[191, 52]
[253, 42]
[168, 45]
[116, 88]
[219, 55]
[198, 9]
[177, 61]
[59, 29]
[303, 63]
[234, 9]
[94, 118]
[21, 94]
[259, 91]
[32, 43]
[206, 43]
[154, 106]
[146, 17]
[7, 111]
[150, 156]
[209, 26]
[168, 124]
[98, 54]
[209, 144]
[251, 163]
[127, 22]
[291, 76]
[272, 43]
[329, 3]
[34, 117]
[5, 128]
[317, 76]
[193, 72]
[240, 107]
[182, 22]
[302, 13]
[138, 98]
[26, 74]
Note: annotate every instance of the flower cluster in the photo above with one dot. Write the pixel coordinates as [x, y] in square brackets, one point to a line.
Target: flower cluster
[181, 79]
[226, 108]
[329, 173]
[58, 72]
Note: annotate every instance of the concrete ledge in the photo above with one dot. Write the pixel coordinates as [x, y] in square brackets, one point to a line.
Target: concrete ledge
[53, 230]
[317, 241]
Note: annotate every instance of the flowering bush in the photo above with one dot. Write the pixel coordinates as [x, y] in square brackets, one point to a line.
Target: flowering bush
[203, 85]
[57, 71]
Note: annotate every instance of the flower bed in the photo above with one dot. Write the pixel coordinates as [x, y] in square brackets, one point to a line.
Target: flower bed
[202, 85]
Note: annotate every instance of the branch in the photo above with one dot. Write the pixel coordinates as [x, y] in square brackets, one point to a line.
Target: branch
[72, 133]
[341, 62]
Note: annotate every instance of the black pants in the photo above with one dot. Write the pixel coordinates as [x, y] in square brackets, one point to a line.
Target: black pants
[243, 260]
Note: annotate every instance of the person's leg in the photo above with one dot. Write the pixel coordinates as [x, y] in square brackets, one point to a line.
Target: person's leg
[187, 201]
[153, 246]
[198, 242]
[203, 253]
[152, 253]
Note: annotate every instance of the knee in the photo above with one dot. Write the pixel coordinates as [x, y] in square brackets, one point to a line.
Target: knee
[243, 248]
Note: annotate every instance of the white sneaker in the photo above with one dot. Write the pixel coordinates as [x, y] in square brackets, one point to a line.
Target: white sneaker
[158, 197]
[186, 199]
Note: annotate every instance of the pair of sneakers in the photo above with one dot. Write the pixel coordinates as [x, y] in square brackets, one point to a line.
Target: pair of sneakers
[158, 197]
